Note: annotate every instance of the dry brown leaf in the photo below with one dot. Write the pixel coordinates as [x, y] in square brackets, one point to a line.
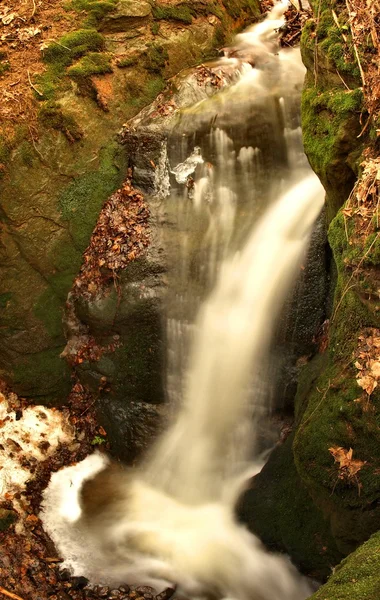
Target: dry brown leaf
[367, 383]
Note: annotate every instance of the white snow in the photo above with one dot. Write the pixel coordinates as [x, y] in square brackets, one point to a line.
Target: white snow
[22, 439]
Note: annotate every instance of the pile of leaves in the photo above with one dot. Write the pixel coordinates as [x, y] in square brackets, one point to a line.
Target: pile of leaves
[348, 466]
[368, 362]
[121, 235]
[207, 76]
[295, 20]
[163, 107]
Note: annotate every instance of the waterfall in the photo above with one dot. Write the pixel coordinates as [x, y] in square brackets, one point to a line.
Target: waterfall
[171, 520]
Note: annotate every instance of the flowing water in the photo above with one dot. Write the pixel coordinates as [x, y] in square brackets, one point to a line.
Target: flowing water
[245, 201]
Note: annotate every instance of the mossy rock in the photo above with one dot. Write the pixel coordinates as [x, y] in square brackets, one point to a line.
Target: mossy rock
[278, 508]
[94, 63]
[52, 115]
[332, 103]
[357, 577]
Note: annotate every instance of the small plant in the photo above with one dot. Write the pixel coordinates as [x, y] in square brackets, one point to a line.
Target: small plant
[98, 440]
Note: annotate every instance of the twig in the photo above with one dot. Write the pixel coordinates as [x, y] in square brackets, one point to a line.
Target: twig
[9, 594]
[33, 86]
[34, 9]
[316, 45]
[365, 126]
[88, 408]
[344, 83]
[34, 145]
[338, 25]
[354, 44]
[303, 425]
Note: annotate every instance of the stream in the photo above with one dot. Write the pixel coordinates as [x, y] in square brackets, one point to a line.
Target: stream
[235, 182]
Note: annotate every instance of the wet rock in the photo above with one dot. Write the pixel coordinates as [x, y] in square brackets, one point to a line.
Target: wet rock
[78, 583]
[124, 588]
[7, 517]
[128, 14]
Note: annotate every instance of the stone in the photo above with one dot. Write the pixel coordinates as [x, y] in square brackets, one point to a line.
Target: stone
[7, 517]
[127, 15]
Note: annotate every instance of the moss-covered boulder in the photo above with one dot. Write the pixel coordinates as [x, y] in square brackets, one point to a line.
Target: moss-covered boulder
[356, 577]
[278, 508]
[332, 102]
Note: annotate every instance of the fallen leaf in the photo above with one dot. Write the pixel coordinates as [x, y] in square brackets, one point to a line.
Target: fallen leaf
[367, 383]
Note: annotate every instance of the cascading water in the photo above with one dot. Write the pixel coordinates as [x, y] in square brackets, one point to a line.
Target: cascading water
[171, 521]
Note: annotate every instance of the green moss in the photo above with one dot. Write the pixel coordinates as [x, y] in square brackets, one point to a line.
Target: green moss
[155, 28]
[236, 8]
[48, 309]
[357, 577]
[5, 150]
[60, 55]
[156, 58]
[351, 313]
[330, 125]
[127, 62]
[92, 64]
[333, 418]
[43, 374]
[27, 153]
[81, 201]
[279, 509]
[180, 13]
[4, 299]
[72, 46]
[52, 115]
[142, 88]
[95, 10]
[4, 67]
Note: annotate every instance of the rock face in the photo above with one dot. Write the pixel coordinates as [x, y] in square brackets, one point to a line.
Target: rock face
[53, 187]
[128, 14]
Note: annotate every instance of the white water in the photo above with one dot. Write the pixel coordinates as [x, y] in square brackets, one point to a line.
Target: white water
[172, 520]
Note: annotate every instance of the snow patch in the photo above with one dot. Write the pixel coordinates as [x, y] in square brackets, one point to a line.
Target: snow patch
[31, 437]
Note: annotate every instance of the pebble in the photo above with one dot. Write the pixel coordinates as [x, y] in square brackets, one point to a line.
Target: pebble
[124, 588]
[78, 583]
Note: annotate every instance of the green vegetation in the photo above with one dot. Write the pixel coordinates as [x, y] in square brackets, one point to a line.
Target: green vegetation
[72, 46]
[45, 373]
[155, 28]
[92, 64]
[182, 13]
[62, 54]
[98, 441]
[280, 510]
[95, 10]
[357, 577]
[186, 11]
[331, 124]
[81, 201]
[127, 62]
[235, 8]
[52, 115]
[156, 58]
[4, 299]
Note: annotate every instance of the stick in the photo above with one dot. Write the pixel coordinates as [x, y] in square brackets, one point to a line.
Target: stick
[34, 9]
[354, 44]
[9, 594]
[33, 86]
